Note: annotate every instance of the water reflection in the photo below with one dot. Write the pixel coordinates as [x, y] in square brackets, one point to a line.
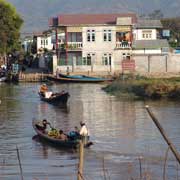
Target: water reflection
[121, 131]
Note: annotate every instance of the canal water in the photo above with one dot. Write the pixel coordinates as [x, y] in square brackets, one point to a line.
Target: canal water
[124, 135]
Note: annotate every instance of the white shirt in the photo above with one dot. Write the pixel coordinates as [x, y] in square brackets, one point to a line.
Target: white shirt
[84, 131]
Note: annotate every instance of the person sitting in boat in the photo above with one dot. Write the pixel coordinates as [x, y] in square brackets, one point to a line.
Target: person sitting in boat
[74, 134]
[43, 89]
[53, 133]
[43, 126]
[62, 136]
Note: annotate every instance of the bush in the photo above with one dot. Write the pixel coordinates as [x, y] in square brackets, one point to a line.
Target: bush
[146, 88]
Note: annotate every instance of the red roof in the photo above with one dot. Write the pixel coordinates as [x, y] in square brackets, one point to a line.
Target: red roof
[85, 19]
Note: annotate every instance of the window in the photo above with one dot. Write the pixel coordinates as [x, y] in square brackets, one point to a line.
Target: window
[46, 42]
[88, 59]
[88, 36]
[91, 35]
[126, 56]
[41, 42]
[106, 59]
[107, 35]
[147, 34]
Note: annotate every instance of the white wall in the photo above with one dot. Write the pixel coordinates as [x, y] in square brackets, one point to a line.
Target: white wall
[138, 34]
[147, 51]
[49, 44]
[99, 47]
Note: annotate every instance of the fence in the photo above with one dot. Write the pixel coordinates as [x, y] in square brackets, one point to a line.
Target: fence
[37, 77]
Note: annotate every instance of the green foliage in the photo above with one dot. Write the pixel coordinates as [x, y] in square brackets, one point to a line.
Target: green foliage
[146, 88]
[10, 23]
[173, 24]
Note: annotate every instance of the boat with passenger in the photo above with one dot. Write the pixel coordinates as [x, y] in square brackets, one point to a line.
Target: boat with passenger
[51, 97]
[52, 136]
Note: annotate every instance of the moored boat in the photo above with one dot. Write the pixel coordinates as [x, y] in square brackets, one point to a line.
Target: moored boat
[78, 79]
[56, 98]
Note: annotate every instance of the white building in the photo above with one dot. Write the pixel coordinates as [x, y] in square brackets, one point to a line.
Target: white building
[93, 42]
[44, 42]
[147, 36]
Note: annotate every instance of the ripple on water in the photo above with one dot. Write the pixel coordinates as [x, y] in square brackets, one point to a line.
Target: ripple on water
[121, 131]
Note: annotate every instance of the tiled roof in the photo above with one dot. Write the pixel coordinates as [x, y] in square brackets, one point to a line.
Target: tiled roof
[150, 44]
[89, 19]
[148, 23]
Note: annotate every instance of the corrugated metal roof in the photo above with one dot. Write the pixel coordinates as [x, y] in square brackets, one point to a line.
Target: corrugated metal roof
[89, 19]
[150, 44]
[148, 23]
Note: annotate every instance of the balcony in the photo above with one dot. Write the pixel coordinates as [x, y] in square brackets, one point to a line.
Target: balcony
[123, 45]
[71, 46]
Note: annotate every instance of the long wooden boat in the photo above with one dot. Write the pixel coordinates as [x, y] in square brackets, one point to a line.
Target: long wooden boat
[78, 79]
[56, 98]
[54, 141]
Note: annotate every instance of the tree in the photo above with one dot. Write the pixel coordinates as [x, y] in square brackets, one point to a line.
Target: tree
[173, 24]
[10, 24]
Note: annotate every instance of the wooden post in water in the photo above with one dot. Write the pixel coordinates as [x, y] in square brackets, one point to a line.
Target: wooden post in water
[81, 160]
[158, 125]
[19, 163]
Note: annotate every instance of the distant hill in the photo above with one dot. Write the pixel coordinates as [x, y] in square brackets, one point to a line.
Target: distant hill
[37, 12]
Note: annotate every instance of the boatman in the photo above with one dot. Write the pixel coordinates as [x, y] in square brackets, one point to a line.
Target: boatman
[84, 130]
[84, 133]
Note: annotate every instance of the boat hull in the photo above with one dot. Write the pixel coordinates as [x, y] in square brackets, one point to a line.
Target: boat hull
[77, 79]
[54, 141]
[58, 98]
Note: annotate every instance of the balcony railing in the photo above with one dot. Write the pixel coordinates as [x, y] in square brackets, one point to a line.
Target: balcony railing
[123, 45]
[71, 46]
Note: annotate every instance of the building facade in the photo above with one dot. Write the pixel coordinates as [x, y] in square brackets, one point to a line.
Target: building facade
[94, 42]
[148, 38]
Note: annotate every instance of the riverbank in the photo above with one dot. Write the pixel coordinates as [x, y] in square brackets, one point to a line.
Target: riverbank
[145, 88]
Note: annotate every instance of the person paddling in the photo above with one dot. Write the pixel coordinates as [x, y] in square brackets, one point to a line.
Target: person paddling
[84, 130]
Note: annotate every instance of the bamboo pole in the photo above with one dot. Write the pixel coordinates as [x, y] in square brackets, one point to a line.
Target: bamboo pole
[158, 125]
[20, 166]
[81, 161]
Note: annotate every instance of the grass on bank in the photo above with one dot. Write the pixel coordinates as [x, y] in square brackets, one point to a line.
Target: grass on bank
[145, 88]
